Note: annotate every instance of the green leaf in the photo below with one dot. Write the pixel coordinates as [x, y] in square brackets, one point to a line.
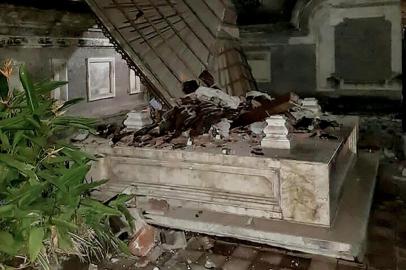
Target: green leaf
[6, 210]
[33, 122]
[121, 199]
[57, 159]
[40, 141]
[64, 224]
[25, 169]
[14, 123]
[100, 208]
[123, 247]
[64, 241]
[35, 244]
[8, 244]
[18, 136]
[26, 154]
[73, 176]
[42, 176]
[70, 103]
[128, 216]
[5, 142]
[29, 90]
[31, 194]
[7, 175]
[78, 156]
[45, 87]
[82, 188]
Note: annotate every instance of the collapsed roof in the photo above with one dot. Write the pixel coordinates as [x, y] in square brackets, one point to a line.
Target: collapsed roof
[169, 42]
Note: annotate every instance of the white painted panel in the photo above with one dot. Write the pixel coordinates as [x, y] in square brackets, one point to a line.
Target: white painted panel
[60, 73]
[135, 83]
[100, 78]
[260, 63]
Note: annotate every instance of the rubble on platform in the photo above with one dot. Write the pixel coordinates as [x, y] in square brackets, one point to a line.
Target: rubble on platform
[207, 116]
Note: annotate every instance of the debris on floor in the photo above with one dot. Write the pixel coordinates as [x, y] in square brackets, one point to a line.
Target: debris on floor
[173, 240]
[143, 241]
[81, 136]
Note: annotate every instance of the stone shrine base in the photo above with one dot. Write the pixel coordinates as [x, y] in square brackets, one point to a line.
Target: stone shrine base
[314, 197]
[346, 239]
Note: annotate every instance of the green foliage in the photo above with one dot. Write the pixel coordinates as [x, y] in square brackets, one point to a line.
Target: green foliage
[44, 207]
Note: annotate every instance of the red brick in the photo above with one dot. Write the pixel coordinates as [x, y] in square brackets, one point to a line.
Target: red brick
[143, 241]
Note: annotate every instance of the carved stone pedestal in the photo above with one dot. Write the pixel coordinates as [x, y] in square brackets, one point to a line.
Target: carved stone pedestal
[138, 119]
[276, 133]
[312, 105]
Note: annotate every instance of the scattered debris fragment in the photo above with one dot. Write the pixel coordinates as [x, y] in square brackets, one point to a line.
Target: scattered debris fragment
[172, 240]
[257, 94]
[207, 116]
[257, 151]
[267, 108]
[209, 264]
[142, 262]
[81, 136]
[217, 97]
[315, 127]
[143, 241]
[206, 243]
[207, 79]
[258, 127]
[190, 87]
[155, 104]
[222, 128]
[389, 153]
[119, 228]
[106, 130]
[156, 252]
[156, 207]
[92, 267]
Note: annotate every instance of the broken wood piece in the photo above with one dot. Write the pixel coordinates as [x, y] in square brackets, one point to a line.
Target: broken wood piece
[278, 105]
[189, 87]
[207, 78]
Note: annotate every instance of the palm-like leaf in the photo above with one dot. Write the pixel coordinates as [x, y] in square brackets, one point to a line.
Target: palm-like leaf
[44, 202]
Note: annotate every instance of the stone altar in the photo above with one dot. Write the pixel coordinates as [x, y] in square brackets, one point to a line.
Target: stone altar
[292, 195]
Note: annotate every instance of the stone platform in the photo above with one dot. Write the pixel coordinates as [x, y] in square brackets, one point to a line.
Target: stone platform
[292, 196]
[346, 239]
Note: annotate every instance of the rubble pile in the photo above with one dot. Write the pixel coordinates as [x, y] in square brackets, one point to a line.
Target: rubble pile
[207, 115]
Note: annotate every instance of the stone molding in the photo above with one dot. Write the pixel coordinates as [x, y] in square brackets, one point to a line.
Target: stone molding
[7, 41]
